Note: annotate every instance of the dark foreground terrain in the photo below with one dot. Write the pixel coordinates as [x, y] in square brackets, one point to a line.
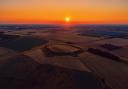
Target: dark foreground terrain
[54, 57]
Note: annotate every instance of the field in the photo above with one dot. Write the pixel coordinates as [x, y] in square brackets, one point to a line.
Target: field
[59, 57]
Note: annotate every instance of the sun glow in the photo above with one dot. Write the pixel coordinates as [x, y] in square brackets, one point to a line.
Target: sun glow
[67, 19]
[69, 12]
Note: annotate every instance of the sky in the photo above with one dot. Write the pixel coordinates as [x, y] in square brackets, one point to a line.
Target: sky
[55, 11]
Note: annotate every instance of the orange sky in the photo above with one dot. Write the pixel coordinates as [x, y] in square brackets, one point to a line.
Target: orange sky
[55, 11]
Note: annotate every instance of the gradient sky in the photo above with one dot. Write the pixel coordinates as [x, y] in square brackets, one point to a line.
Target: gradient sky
[54, 11]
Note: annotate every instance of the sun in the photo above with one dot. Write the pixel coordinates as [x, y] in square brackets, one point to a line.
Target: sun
[67, 19]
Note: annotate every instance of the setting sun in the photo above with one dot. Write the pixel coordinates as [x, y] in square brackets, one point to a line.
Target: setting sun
[67, 19]
[64, 11]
